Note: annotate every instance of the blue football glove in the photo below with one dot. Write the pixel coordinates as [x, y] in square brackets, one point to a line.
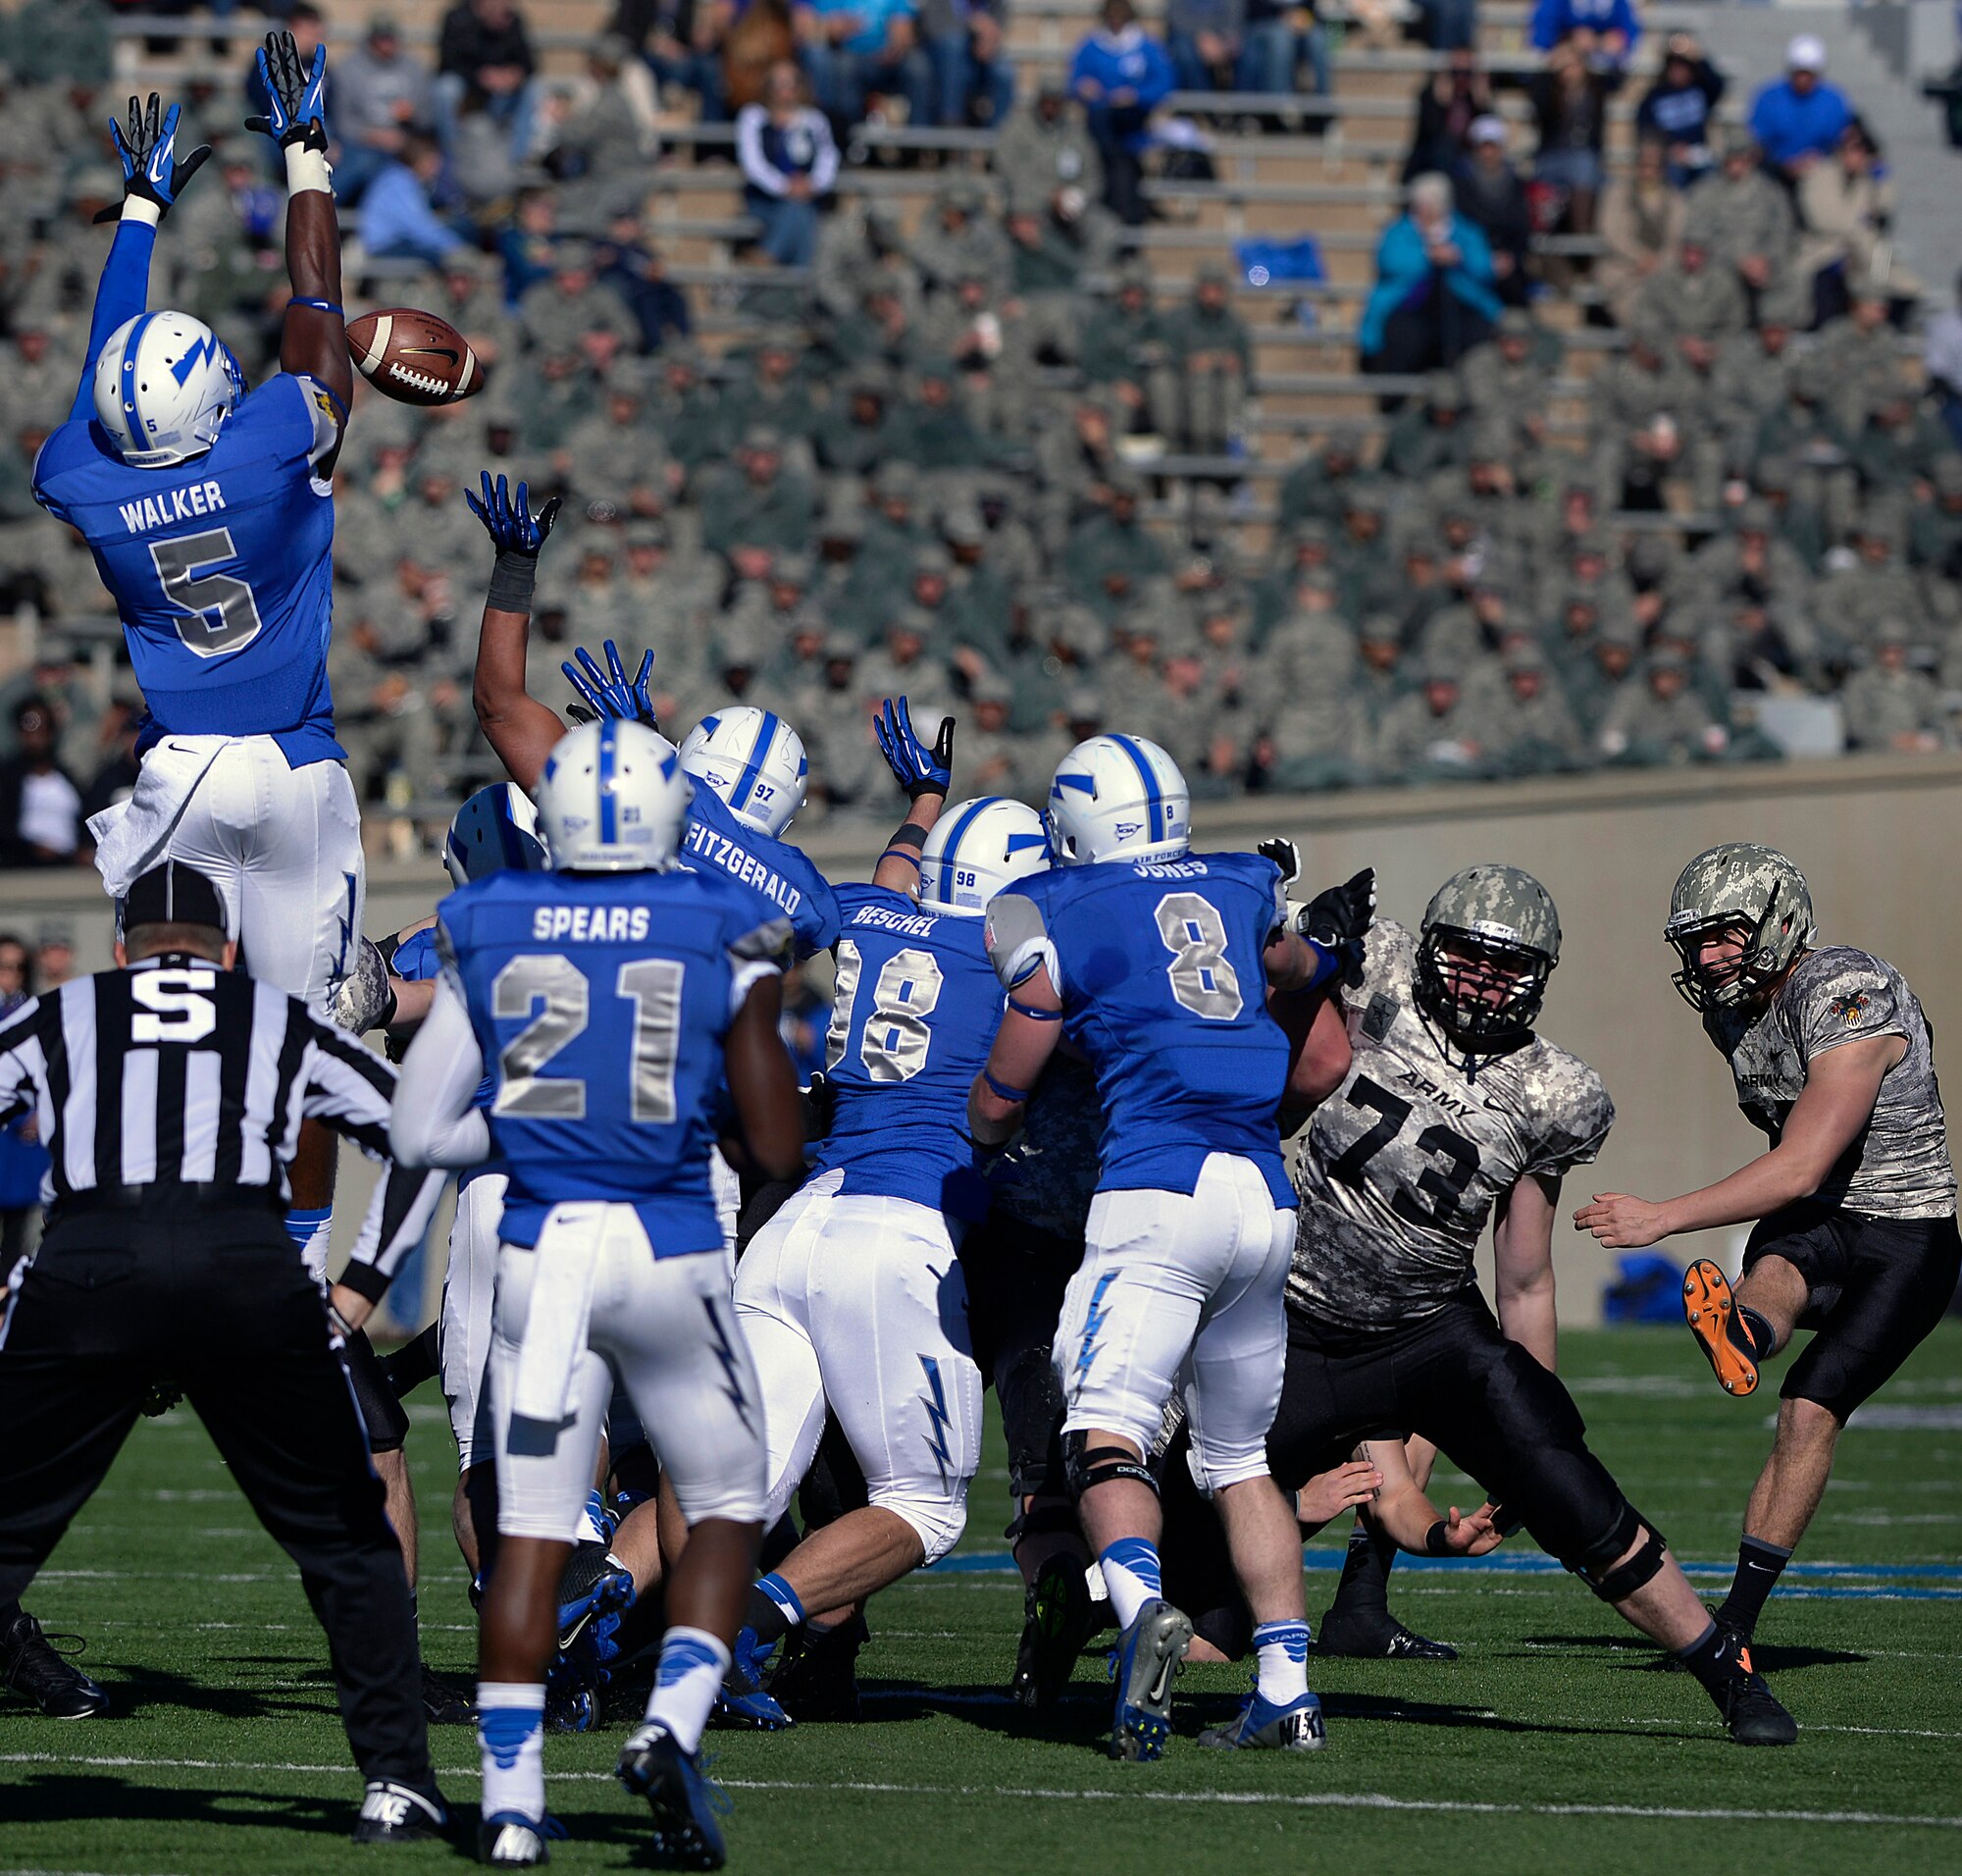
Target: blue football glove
[296, 94]
[611, 693]
[147, 149]
[918, 769]
[508, 518]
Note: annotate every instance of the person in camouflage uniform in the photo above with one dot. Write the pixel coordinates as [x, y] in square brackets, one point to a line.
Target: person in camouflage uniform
[1046, 147]
[1212, 357]
[1860, 356]
[1319, 486]
[1123, 344]
[1889, 705]
[1851, 1209]
[1430, 435]
[1429, 735]
[1512, 379]
[1534, 729]
[1661, 720]
[752, 507]
[1743, 218]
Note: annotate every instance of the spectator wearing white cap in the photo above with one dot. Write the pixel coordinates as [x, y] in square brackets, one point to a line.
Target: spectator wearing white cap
[1490, 191]
[1797, 118]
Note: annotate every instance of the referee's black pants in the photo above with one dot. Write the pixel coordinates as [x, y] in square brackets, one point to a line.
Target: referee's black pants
[216, 1301]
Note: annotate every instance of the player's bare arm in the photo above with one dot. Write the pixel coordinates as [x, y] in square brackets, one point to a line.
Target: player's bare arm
[515, 724]
[1317, 1036]
[1408, 1515]
[1522, 1265]
[925, 772]
[314, 340]
[1837, 1103]
[1027, 1038]
[763, 1084]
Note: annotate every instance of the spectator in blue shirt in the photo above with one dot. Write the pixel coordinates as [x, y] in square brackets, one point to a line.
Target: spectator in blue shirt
[851, 48]
[1604, 28]
[789, 165]
[1121, 76]
[1676, 109]
[1797, 118]
[1434, 296]
[396, 218]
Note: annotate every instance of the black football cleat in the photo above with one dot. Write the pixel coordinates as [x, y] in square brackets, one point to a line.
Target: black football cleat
[687, 1805]
[32, 1666]
[442, 1704]
[1751, 1711]
[1343, 1638]
[817, 1678]
[392, 1813]
[1056, 1626]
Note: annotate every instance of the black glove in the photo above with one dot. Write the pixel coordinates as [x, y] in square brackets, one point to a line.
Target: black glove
[147, 149]
[1286, 854]
[820, 1103]
[1339, 920]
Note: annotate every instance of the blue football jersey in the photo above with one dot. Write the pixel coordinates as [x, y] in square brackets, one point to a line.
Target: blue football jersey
[1164, 987]
[912, 1018]
[221, 568]
[781, 872]
[601, 1002]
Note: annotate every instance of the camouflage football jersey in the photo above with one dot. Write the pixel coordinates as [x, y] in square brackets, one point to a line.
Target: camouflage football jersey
[1399, 1170]
[1899, 1166]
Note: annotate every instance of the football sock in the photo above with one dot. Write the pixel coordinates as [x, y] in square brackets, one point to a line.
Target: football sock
[1280, 1651]
[1712, 1657]
[1131, 1578]
[592, 1525]
[511, 1736]
[1758, 1566]
[693, 1666]
[774, 1611]
[1759, 1336]
[1364, 1594]
[308, 1226]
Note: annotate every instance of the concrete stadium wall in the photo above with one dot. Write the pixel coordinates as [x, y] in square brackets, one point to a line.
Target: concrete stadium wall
[1874, 835]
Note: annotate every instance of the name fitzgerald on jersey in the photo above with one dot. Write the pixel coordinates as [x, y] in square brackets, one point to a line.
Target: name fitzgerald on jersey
[720, 850]
[174, 504]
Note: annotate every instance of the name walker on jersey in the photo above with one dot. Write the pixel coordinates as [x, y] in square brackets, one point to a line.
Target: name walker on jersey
[174, 504]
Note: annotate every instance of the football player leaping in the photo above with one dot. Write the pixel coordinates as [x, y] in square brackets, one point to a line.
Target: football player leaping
[1852, 1206]
[1155, 962]
[210, 514]
[612, 994]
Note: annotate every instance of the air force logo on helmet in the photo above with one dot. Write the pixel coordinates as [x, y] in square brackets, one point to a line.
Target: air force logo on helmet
[1117, 798]
[754, 762]
[978, 849]
[612, 799]
[165, 383]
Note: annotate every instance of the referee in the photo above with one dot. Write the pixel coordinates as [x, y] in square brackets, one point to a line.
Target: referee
[171, 1093]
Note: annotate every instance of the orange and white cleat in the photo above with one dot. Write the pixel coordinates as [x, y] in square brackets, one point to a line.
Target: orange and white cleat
[1711, 1312]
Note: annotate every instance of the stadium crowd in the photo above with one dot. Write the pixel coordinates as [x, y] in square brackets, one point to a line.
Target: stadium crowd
[931, 463]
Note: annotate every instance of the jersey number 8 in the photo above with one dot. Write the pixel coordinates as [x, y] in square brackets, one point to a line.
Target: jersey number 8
[653, 986]
[1202, 981]
[897, 1036]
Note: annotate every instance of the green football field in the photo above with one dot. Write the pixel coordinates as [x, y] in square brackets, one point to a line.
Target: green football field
[1556, 1744]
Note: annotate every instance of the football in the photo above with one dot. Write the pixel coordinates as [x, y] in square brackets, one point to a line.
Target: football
[414, 357]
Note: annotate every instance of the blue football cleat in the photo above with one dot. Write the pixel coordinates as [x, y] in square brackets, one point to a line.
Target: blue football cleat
[591, 1587]
[744, 1701]
[1294, 1727]
[688, 1805]
[1147, 1654]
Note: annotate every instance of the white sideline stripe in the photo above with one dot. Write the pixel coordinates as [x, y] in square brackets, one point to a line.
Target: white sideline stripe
[1304, 1801]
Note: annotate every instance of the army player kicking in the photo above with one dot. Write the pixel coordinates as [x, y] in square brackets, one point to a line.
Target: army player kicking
[1853, 1205]
[1454, 1110]
[612, 994]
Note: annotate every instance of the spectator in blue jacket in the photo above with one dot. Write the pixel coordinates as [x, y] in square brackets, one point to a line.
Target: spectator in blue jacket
[1434, 296]
[1676, 109]
[1797, 118]
[398, 219]
[789, 163]
[1607, 29]
[1120, 76]
[851, 47]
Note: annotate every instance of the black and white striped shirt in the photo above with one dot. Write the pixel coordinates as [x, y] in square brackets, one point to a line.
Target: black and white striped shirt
[176, 1073]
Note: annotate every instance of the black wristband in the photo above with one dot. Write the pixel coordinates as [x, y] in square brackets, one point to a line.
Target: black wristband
[908, 834]
[513, 581]
[1433, 1539]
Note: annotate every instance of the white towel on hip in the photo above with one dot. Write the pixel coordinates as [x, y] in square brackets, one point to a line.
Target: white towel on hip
[568, 1252]
[133, 836]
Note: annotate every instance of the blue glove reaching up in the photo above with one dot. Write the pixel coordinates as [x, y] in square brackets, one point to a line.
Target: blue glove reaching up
[296, 94]
[612, 693]
[508, 518]
[918, 769]
[147, 149]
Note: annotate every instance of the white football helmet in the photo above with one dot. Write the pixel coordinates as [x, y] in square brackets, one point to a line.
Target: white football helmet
[495, 828]
[754, 762]
[612, 800]
[1117, 798]
[165, 383]
[978, 849]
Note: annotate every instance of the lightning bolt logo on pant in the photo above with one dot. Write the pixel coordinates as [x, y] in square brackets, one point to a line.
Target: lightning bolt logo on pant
[1093, 1325]
[726, 1355]
[935, 1403]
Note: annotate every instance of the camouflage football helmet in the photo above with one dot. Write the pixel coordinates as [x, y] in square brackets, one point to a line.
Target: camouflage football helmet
[1753, 891]
[1502, 930]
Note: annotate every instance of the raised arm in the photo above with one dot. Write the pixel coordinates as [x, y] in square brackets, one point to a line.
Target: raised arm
[315, 340]
[152, 177]
[515, 724]
[926, 775]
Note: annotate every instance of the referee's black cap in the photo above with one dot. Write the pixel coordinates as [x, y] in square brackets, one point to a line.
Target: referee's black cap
[175, 894]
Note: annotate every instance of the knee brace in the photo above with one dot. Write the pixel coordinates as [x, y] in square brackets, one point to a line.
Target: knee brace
[938, 1522]
[1085, 1466]
[1613, 1581]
